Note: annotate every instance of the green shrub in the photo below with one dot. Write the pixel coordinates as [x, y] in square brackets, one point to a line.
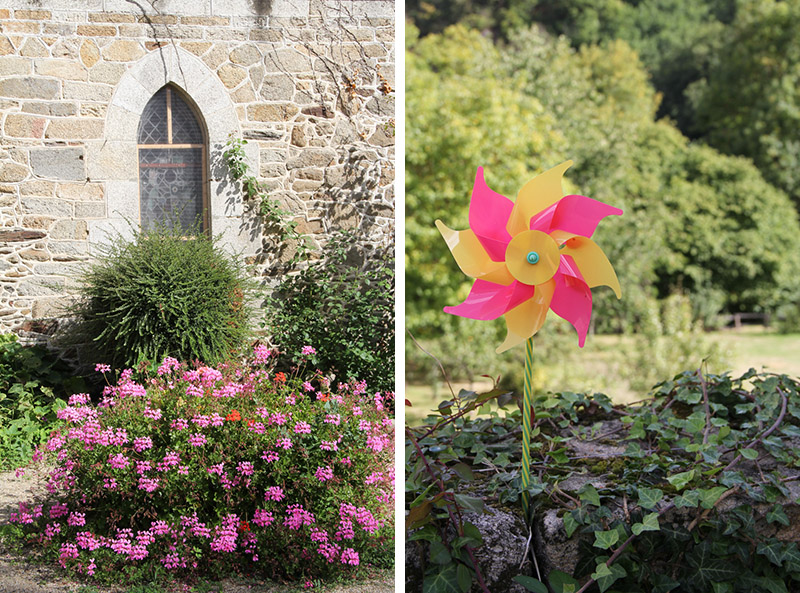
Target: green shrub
[344, 311]
[163, 294]
[33, 382]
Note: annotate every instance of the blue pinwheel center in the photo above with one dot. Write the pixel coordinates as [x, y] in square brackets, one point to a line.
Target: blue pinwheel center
[532, 257]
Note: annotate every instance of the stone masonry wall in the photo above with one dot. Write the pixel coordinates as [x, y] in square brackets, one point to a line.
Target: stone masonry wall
[309, 84]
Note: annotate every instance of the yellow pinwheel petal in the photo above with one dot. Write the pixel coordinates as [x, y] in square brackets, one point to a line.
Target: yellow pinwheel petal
[472, 258]
[592, 263]
[526, 319]
[540, 192]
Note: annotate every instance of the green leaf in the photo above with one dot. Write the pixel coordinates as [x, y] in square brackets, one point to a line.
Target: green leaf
[439, 553]
[777, 515]
[617, 572]
[772, 550]
[464, 472]
[570, 524]
[748, 453]
[705, 568]
[469, 503]
[605, 539]
[464, 577]
[649, 523]
[588, 494]
[709, 497]
[680, 480]
[444, 581]
[561, 582]
[531, 584]
[649, 497]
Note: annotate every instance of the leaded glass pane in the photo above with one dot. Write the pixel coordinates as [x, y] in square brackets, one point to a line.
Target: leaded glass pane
[171, 187]
[153, 125]
[185, 129]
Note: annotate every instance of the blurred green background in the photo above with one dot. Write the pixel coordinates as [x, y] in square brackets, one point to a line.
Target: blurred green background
[684, 113]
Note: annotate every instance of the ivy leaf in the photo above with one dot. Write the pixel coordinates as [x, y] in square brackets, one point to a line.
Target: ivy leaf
[570, 524]
[791, 557]
[531, 584]
[605, 539]
[649, 497]
[777, 515]
[748, 453]
[561, 582]
[588, 494]
[690, 498]
[707, 568]
[709, 497]
[444, 581]
[649, 523]
[772, 550]
[663, 584]
[680, 480]
[617, 572]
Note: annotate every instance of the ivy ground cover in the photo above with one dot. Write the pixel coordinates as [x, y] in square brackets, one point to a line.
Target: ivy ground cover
[194, 470]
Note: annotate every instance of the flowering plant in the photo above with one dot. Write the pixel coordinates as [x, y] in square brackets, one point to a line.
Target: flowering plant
[204, 470]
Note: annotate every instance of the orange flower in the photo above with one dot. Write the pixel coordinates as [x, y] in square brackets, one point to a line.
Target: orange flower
[280, 378]
[233, 416]
[323, 397]
[244, 526]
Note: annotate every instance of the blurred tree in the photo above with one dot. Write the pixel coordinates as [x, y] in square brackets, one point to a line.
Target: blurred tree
[750, 102]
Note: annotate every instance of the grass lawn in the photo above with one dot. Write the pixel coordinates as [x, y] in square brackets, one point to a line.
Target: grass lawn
[740, 350]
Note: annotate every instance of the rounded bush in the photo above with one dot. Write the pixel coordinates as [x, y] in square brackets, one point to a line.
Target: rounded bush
[163, 294]
[211, 471]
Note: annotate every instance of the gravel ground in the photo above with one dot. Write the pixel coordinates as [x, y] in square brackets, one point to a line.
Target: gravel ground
[18, 575]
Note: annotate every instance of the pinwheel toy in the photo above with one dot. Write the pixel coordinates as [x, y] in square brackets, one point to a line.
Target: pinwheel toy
[527, 257]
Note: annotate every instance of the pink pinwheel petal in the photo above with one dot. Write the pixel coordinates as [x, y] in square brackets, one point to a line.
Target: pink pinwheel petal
[487, 300]
[572, 298]
[543, 221]
[488, 215]
[580, 215]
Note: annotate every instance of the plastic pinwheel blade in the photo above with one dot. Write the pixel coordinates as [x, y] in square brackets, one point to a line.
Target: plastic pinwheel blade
[531, 256]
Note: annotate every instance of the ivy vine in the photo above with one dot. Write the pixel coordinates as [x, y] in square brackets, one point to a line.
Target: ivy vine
[699, 501]
[271, 212]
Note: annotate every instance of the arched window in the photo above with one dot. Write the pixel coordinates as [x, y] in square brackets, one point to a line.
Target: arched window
[172, 163]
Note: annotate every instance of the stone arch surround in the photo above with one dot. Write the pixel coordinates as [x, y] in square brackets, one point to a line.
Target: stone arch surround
[114, 159]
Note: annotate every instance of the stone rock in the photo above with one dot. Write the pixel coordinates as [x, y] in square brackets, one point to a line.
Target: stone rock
[382, 136]
[33, 48]
[383, 105]
[298, 136]
[123, 50]
[34, 255]
[312, 157]
[343, 216]
[245, 55]
[80, 191]
[90, 54]
[46, 207]
[107, 72]
[318, 111]
[198, 48]
[15, 235]
[61, 68]
[29, 87]
[244, 94]
[277, 87]
[6, 47]
[215, 57]
[12, 172]
[24, 126]
[273, 112]
[37, 188]
[57, 163]
[287, 60]
[231, 76]
[57, 109]
[500, 557]
[97, 30]
[11, 65]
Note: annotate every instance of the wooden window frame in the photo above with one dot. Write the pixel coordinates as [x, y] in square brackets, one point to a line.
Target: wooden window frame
[206, 218]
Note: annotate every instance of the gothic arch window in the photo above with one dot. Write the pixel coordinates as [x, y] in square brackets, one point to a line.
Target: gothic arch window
[172, 163]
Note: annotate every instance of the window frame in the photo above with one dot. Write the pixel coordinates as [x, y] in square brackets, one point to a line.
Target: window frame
[204, 180]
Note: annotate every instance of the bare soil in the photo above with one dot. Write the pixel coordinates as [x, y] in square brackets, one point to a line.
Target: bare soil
[18, 574]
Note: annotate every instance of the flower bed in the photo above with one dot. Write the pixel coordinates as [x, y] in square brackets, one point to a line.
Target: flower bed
[217, 470]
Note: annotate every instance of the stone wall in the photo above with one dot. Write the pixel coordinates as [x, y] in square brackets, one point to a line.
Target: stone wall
[309, 84]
